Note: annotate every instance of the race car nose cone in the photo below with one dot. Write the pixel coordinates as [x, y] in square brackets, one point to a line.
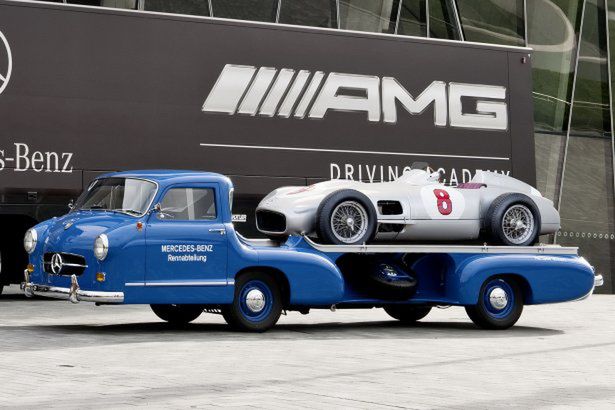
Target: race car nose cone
[255, 300]
[498, 298]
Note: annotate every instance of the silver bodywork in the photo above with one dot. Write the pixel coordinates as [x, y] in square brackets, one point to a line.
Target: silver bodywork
[416, 192]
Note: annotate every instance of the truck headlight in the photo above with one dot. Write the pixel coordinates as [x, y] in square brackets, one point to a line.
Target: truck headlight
[101, 247]
[29, 240]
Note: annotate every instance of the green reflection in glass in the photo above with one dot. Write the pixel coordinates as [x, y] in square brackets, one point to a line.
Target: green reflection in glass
[493, 21]
[256, 10]
[413, 18]
[587, 201]
[317, 13]
[552, 29]
[442, 23]
[194, 7]
[378, 16]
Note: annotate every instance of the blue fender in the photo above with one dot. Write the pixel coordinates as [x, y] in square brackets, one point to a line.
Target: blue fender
[313, 277]
[543, 278]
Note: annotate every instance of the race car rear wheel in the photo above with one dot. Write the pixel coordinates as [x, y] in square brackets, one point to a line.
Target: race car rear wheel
[346, 217]
[407, 313]
[500, 304]
[513, 219]
[177, 314]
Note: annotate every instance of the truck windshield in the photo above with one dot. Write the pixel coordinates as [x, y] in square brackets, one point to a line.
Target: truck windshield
[127, 195]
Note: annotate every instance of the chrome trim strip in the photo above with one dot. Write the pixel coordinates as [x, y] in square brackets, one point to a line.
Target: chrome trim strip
[183, 283]
[267, 25]
[402, 248]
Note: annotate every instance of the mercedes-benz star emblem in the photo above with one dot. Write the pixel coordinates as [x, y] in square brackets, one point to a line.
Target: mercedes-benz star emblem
[6, 62]
[56, 263]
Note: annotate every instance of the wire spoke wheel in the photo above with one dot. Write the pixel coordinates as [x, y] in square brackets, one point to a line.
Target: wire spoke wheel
[349, 221]
[518, 224]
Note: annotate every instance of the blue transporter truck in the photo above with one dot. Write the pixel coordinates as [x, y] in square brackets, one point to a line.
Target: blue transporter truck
[166, 238]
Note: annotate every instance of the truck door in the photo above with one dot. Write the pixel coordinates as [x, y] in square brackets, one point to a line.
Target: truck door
[186, 240]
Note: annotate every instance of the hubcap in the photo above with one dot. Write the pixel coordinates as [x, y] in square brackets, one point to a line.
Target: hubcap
[349, 221]
[518, 224]
[255, 300]
[498, 298]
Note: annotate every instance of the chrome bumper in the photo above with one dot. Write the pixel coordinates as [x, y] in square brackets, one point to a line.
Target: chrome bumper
[74, 293]
[598, 281]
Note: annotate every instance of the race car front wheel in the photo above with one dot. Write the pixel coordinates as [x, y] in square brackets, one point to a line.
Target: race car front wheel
[513, 219]
[346, 217]
[177, 314]
[499, 306]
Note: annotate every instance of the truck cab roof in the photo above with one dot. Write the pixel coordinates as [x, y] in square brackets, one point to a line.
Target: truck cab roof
[166, 177]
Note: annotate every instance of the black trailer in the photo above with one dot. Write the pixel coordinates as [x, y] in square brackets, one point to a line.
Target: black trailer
[87, 90]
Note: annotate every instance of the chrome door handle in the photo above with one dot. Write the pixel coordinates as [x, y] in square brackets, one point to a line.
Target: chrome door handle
[221, 231]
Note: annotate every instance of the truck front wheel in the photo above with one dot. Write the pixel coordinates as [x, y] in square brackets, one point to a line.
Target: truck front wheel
[177, 314]
[257, 304]
[499, 306]
[407, 313]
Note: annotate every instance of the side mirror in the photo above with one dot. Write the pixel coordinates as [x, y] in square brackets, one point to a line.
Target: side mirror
[157, 208]
[71, 204]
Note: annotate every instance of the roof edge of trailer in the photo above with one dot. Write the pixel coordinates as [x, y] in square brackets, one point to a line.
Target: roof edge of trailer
[261, 24]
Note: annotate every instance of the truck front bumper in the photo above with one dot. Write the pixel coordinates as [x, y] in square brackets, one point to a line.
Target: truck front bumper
[74, 293]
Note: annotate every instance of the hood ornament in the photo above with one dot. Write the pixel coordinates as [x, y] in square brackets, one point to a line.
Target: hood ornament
[68, 224]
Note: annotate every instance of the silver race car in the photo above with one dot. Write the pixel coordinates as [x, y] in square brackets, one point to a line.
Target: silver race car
[414, 207]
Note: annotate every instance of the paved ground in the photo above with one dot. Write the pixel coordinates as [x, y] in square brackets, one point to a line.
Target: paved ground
[59, 355]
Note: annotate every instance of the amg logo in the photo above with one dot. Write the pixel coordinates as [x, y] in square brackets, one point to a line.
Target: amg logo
[268, 92]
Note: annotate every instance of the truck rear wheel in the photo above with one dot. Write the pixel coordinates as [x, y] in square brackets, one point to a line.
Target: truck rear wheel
[407, 313]
[257, 304]
[500, 304]
[177, 314]
[346, 217]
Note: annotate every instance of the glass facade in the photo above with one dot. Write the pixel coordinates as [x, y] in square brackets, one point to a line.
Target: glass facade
[573, 62]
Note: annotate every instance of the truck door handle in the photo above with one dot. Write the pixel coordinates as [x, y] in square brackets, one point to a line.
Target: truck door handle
[221, 231]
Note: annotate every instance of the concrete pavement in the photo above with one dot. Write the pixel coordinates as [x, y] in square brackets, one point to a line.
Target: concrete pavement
[55, 354]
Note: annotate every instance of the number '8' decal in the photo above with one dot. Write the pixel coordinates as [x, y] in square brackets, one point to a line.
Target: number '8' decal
[445, 206]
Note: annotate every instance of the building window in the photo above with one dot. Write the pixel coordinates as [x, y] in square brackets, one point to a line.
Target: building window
[378, 16]
[193, 7]
[257, 10]
[118, 4]
[493, 21]
[442, 20]
[316, 13]
[413, 18]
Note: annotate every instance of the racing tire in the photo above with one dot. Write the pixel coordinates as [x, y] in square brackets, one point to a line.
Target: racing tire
[407, 313]
[513, 220]
[177, 314]
[500, 304]
[346, 217]
[257, 304]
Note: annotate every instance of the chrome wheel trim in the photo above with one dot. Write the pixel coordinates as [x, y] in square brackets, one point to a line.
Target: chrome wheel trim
[518, 224]
[349, 221]
[255, 300]
[498, 298]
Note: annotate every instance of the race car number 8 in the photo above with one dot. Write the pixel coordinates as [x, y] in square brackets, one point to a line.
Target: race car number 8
[445, 206]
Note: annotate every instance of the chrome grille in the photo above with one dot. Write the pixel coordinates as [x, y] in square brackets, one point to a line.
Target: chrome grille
[64, 263]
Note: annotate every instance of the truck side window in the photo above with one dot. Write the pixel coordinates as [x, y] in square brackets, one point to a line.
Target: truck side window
[188, 204]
